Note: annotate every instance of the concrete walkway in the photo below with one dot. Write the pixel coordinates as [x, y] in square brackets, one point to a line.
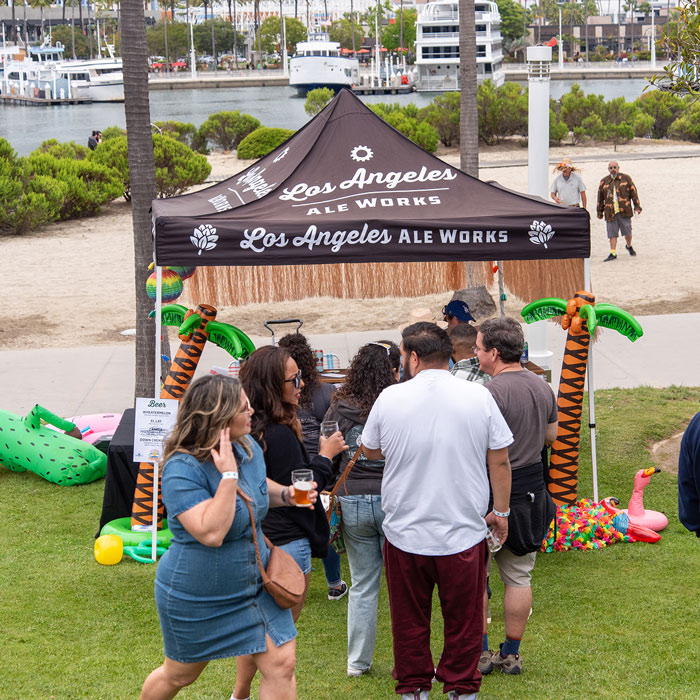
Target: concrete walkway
[100, 379]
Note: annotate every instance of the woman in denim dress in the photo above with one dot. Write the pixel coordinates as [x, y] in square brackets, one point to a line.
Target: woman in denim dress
[208, 587]
[374, 367]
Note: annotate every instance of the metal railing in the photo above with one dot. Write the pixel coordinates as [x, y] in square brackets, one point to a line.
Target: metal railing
[591, 65]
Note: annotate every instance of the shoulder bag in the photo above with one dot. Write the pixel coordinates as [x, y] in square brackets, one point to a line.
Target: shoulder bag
[333, 514]
[283, 579]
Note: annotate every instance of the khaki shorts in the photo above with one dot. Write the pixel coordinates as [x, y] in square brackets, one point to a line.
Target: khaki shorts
[514, 571]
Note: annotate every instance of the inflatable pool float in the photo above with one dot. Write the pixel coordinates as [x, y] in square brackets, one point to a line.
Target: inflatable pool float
[638, 514]
[97, 428]
[28, 445]
[131, 538]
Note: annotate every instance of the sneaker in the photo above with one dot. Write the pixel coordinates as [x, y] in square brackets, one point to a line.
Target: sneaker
[511, 664]
[486, 662]
[354, 672]
[417, 694]
[631, 250]
[338, 593]
[610, 257]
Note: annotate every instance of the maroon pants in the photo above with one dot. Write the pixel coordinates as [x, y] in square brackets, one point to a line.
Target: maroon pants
[461, 580]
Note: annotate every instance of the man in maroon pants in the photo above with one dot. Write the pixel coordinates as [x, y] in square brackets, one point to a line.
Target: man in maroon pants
[437, 433]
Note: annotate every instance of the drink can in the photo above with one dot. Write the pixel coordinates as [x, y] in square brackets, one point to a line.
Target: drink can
[318, 358]
[525, 357]
[234, 368]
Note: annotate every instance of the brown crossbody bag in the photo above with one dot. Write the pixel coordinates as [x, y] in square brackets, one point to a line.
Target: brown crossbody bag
[283, 579]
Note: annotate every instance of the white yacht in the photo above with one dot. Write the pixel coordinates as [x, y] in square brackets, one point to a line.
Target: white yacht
[437, 45]
[318, 62]
[46, 73]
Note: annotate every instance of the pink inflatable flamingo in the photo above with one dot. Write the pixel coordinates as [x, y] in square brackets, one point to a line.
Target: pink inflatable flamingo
[635, 510]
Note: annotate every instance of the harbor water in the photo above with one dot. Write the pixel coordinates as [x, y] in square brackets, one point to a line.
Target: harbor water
[25, 127]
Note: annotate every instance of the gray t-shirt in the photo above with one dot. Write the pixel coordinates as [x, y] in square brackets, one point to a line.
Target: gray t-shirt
[529, 406]
[568, 190]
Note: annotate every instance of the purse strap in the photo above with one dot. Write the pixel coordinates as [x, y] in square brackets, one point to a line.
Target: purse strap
[246, 499]
[343, 477]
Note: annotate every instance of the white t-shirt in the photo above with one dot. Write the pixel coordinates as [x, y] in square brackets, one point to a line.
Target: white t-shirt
[434, 431]
[568, 190]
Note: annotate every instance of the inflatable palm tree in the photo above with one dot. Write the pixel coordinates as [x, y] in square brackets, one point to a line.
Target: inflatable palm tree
[195, 328]
[580, 316]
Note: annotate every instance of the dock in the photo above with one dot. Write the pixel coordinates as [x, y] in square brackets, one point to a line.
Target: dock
[382, 89]
[27, 100]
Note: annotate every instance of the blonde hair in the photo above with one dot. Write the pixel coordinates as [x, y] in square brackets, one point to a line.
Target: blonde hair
[208, 406]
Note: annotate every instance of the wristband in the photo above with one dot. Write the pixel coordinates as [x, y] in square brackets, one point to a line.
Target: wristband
[229, 475]
[283, 495]
[498, 514]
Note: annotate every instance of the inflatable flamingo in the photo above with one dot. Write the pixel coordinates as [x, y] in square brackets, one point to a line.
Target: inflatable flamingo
[635, 509]
[622, 522]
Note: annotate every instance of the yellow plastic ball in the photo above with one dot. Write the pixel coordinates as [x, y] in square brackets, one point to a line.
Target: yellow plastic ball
[109, 549]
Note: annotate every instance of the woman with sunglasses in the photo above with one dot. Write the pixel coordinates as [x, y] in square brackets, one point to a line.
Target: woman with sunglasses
[374, 367]
[208, 588]
[273, 384]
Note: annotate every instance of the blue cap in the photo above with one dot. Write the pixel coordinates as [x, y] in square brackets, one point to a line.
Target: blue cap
[459, 309]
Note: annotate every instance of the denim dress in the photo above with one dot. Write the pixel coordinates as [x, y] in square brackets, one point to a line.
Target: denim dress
[210, 600]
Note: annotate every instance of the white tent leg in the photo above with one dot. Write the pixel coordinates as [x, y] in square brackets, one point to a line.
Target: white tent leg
[591, 391]
[156, 394]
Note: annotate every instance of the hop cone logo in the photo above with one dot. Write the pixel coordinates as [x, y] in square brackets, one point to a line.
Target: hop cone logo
[540, 233]
[204, 237]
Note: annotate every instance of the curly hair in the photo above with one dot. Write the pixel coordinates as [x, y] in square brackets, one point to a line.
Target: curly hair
[208, 406]
[371, 371]
[262, 376]
[298, 347]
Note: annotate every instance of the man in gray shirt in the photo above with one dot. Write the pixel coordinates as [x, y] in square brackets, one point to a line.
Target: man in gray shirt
[568, 187]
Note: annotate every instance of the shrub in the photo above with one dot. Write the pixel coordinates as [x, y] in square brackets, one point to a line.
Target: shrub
[687, 126]
[177, 166]
[502, 111]
[225, 130]
[426, 137]
[261, 142]
[112, 132]
[557, 129]
[69, 149]
[576, 106]
[316, 100]
[421, 133]
[26, 201]
[443, 114]
[663, 107]
[87, 184]
[184, 132]
[643, 124]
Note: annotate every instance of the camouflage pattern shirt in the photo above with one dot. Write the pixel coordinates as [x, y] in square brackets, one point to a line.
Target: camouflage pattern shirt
[626, 192]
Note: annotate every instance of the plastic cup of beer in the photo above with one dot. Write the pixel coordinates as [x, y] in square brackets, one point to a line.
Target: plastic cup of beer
[493, 542]
[328, 427]
[301, 480]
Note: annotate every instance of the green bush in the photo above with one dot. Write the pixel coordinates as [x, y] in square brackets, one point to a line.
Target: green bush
[443, 114]
[502, 111]
[577, 106]
[177, 167]
[88, 185]
[69, 149]
[185, 132]
[558, 130]
[316, 100]
[426, 137]
[26, 201]
[643, 124]
[225, 130]
[421, 133]
[111, 132]
[663, 107]
[687, 126]
[261, 142]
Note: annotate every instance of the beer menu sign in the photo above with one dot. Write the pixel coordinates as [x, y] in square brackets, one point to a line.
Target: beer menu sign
[349, 188]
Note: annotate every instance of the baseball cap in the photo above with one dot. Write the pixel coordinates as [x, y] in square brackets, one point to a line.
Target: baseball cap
[459, 309]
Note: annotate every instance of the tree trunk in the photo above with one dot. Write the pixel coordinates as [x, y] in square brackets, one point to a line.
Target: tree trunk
[143, 181]
[80, 15]
[89, 31]
[235, 36]
[72, 27]
[469, 120]
[352, 28]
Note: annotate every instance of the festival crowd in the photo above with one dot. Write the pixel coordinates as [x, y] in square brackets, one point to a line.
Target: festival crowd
[433, 455]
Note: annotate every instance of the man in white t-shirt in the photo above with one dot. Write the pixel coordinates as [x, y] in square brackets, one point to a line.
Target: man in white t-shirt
[568, 187]
[437, 433]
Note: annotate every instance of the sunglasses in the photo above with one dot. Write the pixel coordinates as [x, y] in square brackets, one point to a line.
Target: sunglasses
[386, 346]
[296, 380]
[612, 167]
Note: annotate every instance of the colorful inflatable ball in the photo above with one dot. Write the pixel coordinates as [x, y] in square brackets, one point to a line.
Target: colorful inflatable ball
[172, 285]
[109, 550]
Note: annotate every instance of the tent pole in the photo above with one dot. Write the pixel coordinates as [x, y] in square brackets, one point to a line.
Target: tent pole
[159, 330]
[501, 288]
[591, 392]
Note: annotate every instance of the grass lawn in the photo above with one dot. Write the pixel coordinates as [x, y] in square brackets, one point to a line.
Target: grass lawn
[617, 623]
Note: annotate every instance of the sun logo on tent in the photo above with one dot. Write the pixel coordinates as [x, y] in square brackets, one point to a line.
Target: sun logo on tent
[204, 238]
[540, 233]
[361, 154]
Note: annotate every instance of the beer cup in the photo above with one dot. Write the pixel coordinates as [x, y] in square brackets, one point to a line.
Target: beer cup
[328, 427]
[301, 480]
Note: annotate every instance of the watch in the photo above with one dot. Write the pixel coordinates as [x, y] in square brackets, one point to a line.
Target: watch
[229, 475]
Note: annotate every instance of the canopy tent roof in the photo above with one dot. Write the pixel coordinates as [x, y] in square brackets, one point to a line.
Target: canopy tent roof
[348, 188]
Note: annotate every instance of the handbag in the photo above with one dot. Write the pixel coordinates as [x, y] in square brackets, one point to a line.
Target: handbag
[283, 579]
[334, 515]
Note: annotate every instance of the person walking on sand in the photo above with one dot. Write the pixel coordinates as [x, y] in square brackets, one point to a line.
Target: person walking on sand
[568, 187]
[616, 195]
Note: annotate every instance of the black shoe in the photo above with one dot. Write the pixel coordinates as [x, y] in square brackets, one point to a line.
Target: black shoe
[631, 250]
[338, 593]
[612, 256]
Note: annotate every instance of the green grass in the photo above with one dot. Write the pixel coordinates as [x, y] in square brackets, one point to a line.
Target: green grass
[616, 623]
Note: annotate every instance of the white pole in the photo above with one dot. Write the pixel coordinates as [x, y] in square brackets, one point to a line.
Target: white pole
[376, 44]
[538, 60]
[591, 391]
[285, 66]
[560, 45]
[159, 329]
[154, 525]
[653, 40]
[193, 65]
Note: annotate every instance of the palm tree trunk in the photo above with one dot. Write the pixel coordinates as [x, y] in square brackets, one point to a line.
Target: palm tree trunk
[143, 180]
[619, 32]
[89, 31]
[72, 27]
[469, 121]
[352, 27]
[80, 15]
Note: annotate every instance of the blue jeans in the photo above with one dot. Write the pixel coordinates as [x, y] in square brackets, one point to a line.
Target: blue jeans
[300, 550]
[364, 539]
[331, 565]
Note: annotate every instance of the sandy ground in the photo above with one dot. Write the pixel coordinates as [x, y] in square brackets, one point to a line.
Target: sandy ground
[71, 283]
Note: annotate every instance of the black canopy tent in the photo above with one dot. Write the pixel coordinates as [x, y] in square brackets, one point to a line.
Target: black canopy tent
[348, 188]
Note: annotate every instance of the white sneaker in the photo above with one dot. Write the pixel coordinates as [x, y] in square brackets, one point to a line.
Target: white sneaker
[354, 672]
[416, 695]
[452, 695]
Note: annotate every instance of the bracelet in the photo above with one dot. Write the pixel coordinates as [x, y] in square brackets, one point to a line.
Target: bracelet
[229, 475]
[283, 495]
[498, 514]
